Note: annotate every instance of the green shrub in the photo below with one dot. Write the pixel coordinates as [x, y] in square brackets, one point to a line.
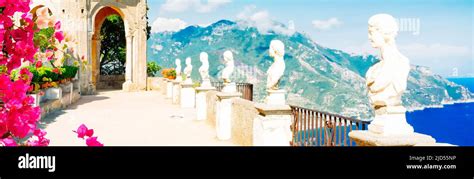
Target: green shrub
[152, 69]
[69, 72]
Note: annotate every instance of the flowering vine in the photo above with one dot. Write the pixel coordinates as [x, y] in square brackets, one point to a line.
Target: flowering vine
[32, 39]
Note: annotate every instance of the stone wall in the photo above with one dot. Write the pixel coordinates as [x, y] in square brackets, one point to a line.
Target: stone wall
[211, 99]
[243, 114]
[110, 81]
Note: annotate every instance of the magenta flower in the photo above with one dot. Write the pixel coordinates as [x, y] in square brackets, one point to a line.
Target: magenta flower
[83, 131]
[38, 138]
[92, 142]
[59, 35]
[57, 26]
[8, 142]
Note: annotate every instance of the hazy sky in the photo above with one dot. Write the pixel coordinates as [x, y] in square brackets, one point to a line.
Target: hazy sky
[435, 33]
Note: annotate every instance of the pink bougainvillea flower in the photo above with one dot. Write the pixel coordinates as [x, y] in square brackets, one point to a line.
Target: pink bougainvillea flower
[42, 23]
[59, 36]
[57, 26]
[44, 19]
[8, 142]
[38, 138]
[83, 131]
[92, 142]
[26, 75]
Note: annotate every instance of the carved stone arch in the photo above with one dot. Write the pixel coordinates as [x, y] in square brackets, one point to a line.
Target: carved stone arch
[130, 11]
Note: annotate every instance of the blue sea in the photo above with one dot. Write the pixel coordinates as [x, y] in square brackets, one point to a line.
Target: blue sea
[452, 124]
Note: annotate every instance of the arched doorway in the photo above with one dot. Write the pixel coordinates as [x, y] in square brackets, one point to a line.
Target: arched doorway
[135, 39]
[101, 78]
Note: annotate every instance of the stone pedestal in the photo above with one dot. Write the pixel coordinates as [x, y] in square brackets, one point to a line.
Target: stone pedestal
[276, 97]
[187, 95]
[392, 121]
[53, 93]
[224, 114]
[201, 103]
[272, 126]
[206, 83]
[390, 128]
[176, 92]
[229, 88]
[169, 89]
[164, 86]
[367, 138]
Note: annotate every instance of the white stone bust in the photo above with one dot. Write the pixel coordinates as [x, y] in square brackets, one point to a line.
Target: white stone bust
[188, 69]
[277, 69]
[229, 66]
[204, 69]
[178, 68]
[387, 79]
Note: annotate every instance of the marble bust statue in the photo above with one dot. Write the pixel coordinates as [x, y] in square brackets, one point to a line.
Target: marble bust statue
[178, 69]
[229, 66]
[387, 79]
[276, 70]
[204, 69]
[187, 70]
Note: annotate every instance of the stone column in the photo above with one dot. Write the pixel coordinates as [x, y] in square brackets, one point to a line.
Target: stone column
[169, 89]
[224, 114]
[164, 85]
[175, 92]
[272, 126]
[187, 95]
[127, 86]
[201, 103]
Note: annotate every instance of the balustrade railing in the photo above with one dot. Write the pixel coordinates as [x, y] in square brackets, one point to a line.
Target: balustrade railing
[245, 88]
[316, 128]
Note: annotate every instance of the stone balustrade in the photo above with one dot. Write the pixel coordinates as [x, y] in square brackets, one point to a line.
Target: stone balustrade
[244, 130]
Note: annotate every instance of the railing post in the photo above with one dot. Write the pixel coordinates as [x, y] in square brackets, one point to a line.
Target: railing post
[272, 126]
[224, 114]
[201, 103]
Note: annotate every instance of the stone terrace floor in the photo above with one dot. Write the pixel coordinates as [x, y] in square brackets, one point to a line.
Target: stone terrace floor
[130, 119]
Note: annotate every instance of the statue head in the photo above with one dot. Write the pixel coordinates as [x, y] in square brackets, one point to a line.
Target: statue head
[188, 61]
[383, 29]
[203, 57]
[277, 48]
[228, 56]
[178, 62]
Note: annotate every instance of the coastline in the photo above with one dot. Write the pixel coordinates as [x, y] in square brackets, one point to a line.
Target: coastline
[442, 105]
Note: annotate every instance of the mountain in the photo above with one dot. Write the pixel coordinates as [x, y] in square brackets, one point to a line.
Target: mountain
[316, 77]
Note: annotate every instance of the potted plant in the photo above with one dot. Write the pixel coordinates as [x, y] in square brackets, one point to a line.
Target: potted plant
[169, 73]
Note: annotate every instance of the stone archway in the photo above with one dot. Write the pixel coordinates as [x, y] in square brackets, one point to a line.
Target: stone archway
[133, 14]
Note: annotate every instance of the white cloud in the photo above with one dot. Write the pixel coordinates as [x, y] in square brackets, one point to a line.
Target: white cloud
[262, 21]
[167, 25]
[326, 24]
[194, 5]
